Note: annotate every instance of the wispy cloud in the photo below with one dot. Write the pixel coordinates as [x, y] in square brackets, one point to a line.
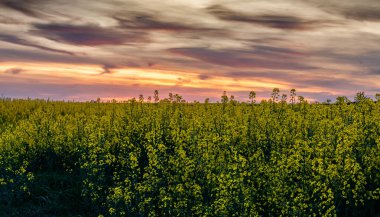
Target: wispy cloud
[278, 21]
[86, 35]
[13, 71]
[364, 10]
[24, 7]
[242, 59]
[16, 40]
[148, 22]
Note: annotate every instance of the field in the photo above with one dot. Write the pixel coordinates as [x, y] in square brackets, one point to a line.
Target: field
[174, 158]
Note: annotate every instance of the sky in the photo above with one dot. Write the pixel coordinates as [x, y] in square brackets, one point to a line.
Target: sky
[117, 49]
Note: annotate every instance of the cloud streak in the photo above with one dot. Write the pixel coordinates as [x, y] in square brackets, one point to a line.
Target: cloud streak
[13, 71]
[241, 59]
[24, 7]
[86, 35]
[16, 40]
[277, 21]
[150, 23]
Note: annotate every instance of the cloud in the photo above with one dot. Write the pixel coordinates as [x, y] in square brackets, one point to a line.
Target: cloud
[24, 7]
[13, 71]
[374, 71]
[107, 69]
[276, 21]
[277, 50]
[13, 55]
[87, 35]
[364, 10]
[297, 80]
[16, 40]
[204, 76]
[239, 58]
[363, 14]
[148, 22]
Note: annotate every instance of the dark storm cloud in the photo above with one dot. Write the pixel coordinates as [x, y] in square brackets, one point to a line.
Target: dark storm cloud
[13, 71]
[16, 40]
[277, 21]
[87, 35]
[239, 58]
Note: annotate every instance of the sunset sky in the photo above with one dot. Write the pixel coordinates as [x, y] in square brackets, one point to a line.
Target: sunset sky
[118, 49]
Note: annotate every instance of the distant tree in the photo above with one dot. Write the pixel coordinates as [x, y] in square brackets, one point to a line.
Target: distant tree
[149, 99]
[377, 97]
[141, 98]
[328, 101]
[133, 100]
[156, 98]
[98, 100]
[252, 96]
[207, 100]
[342, 100]
[301, 99]
[293, 96]
[284, 97]
[224, 97]
[177, 98]
[275, 94]
[360, 96]
[171, 97]
[232, 100]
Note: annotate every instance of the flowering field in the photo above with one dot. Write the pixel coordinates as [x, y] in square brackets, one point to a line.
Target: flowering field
[189, 159]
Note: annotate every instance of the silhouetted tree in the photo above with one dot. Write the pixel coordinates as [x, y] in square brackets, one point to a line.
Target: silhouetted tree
[275, 94]
[141, 98]
[171, 97]
[293, 96]
[252, 96]
[156, 98]
[178, 98]
[224, 97]
[342, 100]
[301, 99]
[377, 97]
[360, 96]
[284, 97]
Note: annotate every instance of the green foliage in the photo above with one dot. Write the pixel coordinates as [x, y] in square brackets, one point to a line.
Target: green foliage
[171, 158]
